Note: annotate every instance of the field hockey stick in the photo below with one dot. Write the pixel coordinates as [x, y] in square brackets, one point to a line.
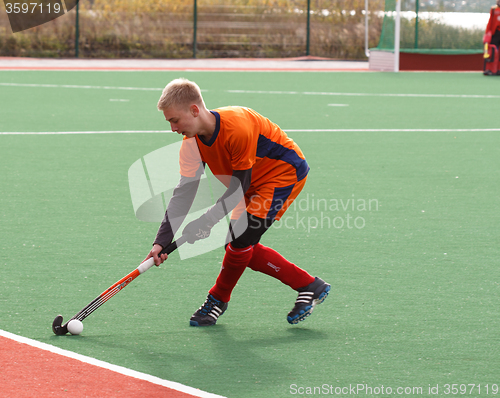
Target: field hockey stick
[59, 329]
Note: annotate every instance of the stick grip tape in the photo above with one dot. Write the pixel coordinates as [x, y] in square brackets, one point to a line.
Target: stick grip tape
[169, 249]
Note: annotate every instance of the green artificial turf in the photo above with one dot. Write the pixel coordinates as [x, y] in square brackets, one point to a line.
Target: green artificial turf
[403, 224]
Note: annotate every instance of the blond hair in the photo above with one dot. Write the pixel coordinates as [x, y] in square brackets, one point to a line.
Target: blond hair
[180, 92]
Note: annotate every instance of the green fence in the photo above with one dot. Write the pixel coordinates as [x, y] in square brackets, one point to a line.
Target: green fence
[233, 28]
[201, 28]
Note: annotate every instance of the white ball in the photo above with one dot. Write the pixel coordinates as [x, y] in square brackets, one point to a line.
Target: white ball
[75, 326]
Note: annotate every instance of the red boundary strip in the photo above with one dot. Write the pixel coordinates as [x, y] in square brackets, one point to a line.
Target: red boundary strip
[79, 68]
[28, 372]
[205, 68]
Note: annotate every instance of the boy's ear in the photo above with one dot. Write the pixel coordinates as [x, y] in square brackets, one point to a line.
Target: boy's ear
[195, 110]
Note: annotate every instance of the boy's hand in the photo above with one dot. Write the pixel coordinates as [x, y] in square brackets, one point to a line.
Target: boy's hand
[154, 253]
[197, 229]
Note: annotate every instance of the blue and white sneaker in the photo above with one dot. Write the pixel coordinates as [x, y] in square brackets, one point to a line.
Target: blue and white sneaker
[209, 312]
[309, 296]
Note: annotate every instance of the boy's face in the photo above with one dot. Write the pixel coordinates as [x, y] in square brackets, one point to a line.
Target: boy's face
[183, 119]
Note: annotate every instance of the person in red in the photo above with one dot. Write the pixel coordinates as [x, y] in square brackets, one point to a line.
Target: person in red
[491, 40]
[264, 171]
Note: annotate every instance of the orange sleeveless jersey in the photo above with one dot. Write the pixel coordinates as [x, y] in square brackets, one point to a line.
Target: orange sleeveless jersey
[244, 139]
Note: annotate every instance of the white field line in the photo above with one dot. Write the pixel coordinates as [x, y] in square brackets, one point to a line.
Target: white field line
[83, 132]
[258, 91]
[387, 130]
[115, 368]
[363, 94]
[286, 130]
[79, 86]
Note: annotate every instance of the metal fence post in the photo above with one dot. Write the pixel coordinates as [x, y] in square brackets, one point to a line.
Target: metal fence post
[416, 23]
[367, 50]
[308, 28]
[195, 23]
[77, 30]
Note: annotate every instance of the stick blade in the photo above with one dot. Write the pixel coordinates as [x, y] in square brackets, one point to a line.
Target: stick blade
[58, 328]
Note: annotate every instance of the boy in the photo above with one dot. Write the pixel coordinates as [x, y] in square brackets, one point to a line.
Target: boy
[491, 41]
[263, 171]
